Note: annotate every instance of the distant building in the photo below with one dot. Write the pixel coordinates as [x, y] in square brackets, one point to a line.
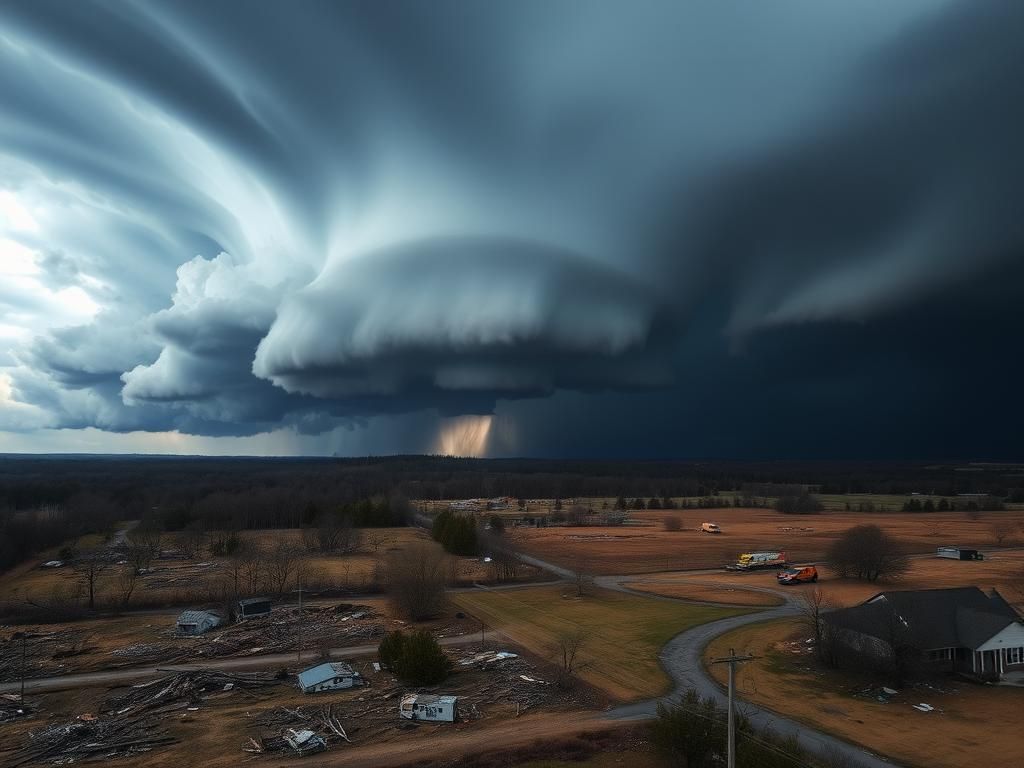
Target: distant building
[197, 622]
[963, 630]
[331, 676]
[422, 706]
[252, 607]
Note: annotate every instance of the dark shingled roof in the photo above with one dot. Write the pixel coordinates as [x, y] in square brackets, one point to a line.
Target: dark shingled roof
[929, 619]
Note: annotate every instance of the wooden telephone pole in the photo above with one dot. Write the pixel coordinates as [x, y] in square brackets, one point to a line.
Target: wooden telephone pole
[731, 660]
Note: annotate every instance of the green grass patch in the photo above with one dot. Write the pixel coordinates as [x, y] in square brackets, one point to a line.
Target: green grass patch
[624, 633]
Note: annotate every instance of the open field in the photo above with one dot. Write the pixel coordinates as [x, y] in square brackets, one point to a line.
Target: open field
[1002, 570]
[649, 548]
[704, 592]
[204, 579]
[623, 633]
[972, 724]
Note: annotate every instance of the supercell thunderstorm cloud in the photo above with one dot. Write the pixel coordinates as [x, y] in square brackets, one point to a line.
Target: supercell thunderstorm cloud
[534, 228]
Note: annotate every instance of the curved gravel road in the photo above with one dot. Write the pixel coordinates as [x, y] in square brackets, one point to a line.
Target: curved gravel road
[682, 659]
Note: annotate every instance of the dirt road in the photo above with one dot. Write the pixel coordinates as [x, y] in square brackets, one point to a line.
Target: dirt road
[114, 677]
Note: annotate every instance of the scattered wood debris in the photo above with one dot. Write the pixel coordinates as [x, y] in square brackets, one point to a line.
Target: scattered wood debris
[184, 689]
[92, 738]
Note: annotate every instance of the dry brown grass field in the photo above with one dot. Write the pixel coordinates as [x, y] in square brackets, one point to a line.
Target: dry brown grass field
[201, 578]
[648, 548]
[1002, 570]
[971, 725]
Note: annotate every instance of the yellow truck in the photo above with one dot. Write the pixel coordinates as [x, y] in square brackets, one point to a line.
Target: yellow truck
[750, 561]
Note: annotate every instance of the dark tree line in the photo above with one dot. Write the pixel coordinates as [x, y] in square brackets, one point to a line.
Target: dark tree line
[456, 533]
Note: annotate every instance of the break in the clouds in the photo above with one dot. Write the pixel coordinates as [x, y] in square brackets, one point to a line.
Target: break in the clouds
[535, 227]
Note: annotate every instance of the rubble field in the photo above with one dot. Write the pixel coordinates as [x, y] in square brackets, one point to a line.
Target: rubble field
[252, 716]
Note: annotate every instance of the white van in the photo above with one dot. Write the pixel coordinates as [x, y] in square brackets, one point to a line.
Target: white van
[710, 528]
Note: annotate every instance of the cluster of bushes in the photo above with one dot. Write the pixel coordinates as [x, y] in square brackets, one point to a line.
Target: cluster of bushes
[693, 732]
[455, 532]
[416, 658]
[799, 504]
[867, 552]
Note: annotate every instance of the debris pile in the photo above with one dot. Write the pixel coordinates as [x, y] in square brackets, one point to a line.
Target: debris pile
[279, 632]
[11, 708]
[319, 729]
[185, 689]
[40, 649]
[176, 576]
[91, 737]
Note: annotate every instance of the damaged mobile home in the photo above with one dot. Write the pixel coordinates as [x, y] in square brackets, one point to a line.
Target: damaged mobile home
[422, 706]
[330, 676]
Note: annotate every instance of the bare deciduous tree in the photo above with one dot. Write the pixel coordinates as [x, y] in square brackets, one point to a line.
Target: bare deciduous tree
[566, 655]
[335, 533]
[813, 606]
[416, 581]
[505, 564]
[583, 576]
[867, 552]
[127, 578]
[89, 567]
[281, 564]
[193, 540]
[250, 559]
[147, 535]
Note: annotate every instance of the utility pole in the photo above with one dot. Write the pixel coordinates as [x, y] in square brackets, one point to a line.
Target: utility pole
[24, 638]
[731, 660]
[298, 652]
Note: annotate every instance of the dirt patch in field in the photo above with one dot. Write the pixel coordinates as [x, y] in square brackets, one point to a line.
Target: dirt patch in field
[647, 547]
[969, 725]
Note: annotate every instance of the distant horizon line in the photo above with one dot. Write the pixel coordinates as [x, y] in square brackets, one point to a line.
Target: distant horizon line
[977, 462]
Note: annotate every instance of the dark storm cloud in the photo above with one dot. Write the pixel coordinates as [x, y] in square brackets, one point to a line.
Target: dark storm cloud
[728, 217]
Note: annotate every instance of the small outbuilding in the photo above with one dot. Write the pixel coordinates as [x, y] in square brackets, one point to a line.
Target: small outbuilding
[330, 676]
[253, 607]
[422, 706]
[197, 622]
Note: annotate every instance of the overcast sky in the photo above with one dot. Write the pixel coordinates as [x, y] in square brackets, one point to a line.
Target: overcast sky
[730, 229]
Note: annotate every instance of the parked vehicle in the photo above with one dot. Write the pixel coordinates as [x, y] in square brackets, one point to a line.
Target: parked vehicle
[799, 575]
[750, 561]
[959, 553]
[710, 528]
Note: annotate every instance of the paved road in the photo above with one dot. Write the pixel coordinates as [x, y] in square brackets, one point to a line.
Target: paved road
[682, 659]
[115, 677]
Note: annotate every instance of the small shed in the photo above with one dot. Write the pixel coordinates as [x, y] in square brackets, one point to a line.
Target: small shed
[422, 706]
[330, 676]
[197, 622]
[252, 607]
[959, 553]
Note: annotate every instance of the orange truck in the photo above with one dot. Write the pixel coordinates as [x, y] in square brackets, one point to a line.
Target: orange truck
[800, 574]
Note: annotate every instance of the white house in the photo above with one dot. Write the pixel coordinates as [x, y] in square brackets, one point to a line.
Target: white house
[422, 706]
[962, 629]
[330, 676]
